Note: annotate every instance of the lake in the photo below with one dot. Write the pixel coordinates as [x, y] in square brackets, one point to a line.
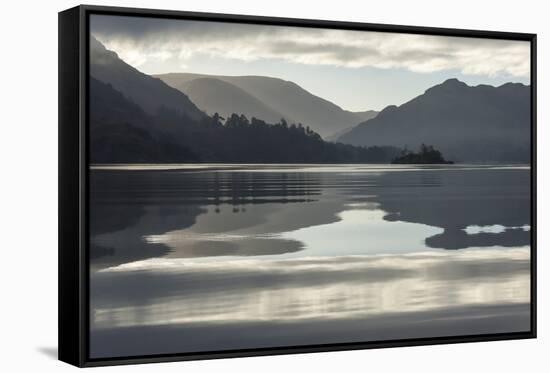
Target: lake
[209, 257]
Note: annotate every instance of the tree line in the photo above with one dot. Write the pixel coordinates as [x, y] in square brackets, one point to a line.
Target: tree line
[121, 132]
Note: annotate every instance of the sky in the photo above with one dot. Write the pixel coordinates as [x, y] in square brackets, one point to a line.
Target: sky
[357, 70]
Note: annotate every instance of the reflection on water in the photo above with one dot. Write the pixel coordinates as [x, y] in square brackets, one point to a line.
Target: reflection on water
[362, 226]
[310, 254]
[475, 229]
[312, 287]
[363, 231]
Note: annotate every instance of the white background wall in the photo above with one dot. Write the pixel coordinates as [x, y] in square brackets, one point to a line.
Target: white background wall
[28, 205]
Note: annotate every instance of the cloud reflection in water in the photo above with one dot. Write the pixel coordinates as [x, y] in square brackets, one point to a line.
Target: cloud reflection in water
[177, 291]
[221, 257]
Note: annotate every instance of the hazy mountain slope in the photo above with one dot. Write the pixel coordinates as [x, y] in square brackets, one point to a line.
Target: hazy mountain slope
[335, 137]
[148, 92]
[284, 97]
[481, 123]
[121, 132]
[366, 115]
[215, 95]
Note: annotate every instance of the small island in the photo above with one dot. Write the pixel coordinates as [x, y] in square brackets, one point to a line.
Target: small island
[427, 154]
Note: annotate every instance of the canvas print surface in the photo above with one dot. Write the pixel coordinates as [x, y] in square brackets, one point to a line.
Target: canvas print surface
[256, 186]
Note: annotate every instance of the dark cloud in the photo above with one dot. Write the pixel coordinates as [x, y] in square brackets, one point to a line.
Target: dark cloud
[140, 40]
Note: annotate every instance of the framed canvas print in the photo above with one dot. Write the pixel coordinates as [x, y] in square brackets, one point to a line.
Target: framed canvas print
[238, 186]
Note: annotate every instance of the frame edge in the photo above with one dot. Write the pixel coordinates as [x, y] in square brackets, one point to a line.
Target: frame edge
[534, 247]
[69, 191]
[307, 22]
[72, 159]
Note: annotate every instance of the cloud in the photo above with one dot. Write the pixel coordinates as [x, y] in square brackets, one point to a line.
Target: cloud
[140, 40]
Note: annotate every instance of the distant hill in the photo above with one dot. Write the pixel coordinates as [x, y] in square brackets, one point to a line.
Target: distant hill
[217, 96]
[121, 132]
[366, 115]
[150, 93]
[135, 118]
[274, 97]
[468, 124]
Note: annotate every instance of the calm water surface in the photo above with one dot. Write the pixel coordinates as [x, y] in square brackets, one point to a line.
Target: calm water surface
[215, 257]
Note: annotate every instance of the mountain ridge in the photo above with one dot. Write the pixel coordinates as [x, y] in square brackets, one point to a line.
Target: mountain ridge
[122, 130]
[294, 103]
[468, 123]
[218, 96]
[150, 93]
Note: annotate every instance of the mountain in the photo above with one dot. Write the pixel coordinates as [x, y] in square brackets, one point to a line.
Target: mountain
[135, 118]
[217, 96]
[121, 132]
[149, 93]
[275, 96]
[466, 123]
[366, 115]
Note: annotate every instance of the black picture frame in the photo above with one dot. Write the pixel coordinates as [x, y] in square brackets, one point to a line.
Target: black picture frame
[73, 184]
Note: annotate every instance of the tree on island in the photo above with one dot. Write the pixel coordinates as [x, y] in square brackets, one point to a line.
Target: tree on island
[427, 154]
